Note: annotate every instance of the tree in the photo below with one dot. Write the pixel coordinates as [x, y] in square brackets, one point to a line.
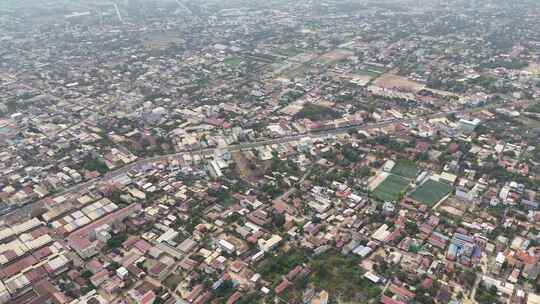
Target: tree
[113, 266]
[94, 164]
[469, 277]
[225, 288]
[423, 156]
[411, 227]
[278, 219]
[86, 274]
[365, 171]
[116, 241]
[509, 153]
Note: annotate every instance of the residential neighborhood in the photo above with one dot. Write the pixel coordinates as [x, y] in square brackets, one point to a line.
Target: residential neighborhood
[246, 152]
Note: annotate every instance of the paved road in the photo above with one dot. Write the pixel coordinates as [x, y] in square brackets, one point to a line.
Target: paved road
[260, 143]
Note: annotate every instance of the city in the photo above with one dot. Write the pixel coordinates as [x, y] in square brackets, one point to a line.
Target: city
[278, 151]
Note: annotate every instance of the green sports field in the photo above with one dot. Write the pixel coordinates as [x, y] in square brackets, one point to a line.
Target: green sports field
[405, 168]
[233, 61]
[392, 188]
[431, 192]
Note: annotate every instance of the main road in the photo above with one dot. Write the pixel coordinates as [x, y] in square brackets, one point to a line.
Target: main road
[264, 142]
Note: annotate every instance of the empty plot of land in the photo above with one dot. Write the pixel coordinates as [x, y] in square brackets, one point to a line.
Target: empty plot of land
[292, 109]
[334, 56]
[534, 68]
[454, 207]
[431, 192]
[377, 180]
[246, 169]
[390, 81]
[162, 41]
[392, 188]
[360, 79]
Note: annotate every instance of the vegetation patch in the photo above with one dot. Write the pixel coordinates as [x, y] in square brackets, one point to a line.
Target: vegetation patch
[371, 70]
[317, 113]
[172, 281]
[431, 192]
[393, 188]
[277, 266]
[233, 61]
[342, 277]
[487, 295]
[406, 168]
[312, 25]
[94, 164]
[534, 108]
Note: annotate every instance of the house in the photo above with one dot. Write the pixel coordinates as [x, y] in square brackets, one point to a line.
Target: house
[282, 286]
[84, 247]
[388, 300]
[270, 244]
[159, 271]
[234, 297]
[227, 246]
[100, 277]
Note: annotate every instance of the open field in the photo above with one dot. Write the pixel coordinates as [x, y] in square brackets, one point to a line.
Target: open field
[370, 70]
[390, 81]
[162, 40]
[431, 192]
[246, 169]
[534, 68]
[361, 79]
[334, 56]
[312, 25]
[529, 122]
[365, 72]
[233, 61]
[342, 277]
[405, 168]
[172, 281]
[392, 188]
[454, 207]
[290, 52]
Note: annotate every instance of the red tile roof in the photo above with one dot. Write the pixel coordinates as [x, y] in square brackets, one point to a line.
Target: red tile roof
[401, 291]
[233, 298]
[387, 300]
[282, 286]
[16, 267]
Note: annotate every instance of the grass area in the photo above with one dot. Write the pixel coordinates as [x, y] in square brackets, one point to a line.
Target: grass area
[342, 277]
[366, 72]
[273, 268]
[431, 192]
[279, 2]
[234, 61]
[317, 113]
[392, 188]
[289, 52]
[534, 108]
[172, 281]
[374, 69]
[487, 295]
[370, 70]
[312, 25]
[94, 164]
[406, 168]
[530, 123]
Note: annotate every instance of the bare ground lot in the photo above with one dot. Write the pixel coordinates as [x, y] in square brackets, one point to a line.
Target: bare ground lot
[334, 56]
[390, 81]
